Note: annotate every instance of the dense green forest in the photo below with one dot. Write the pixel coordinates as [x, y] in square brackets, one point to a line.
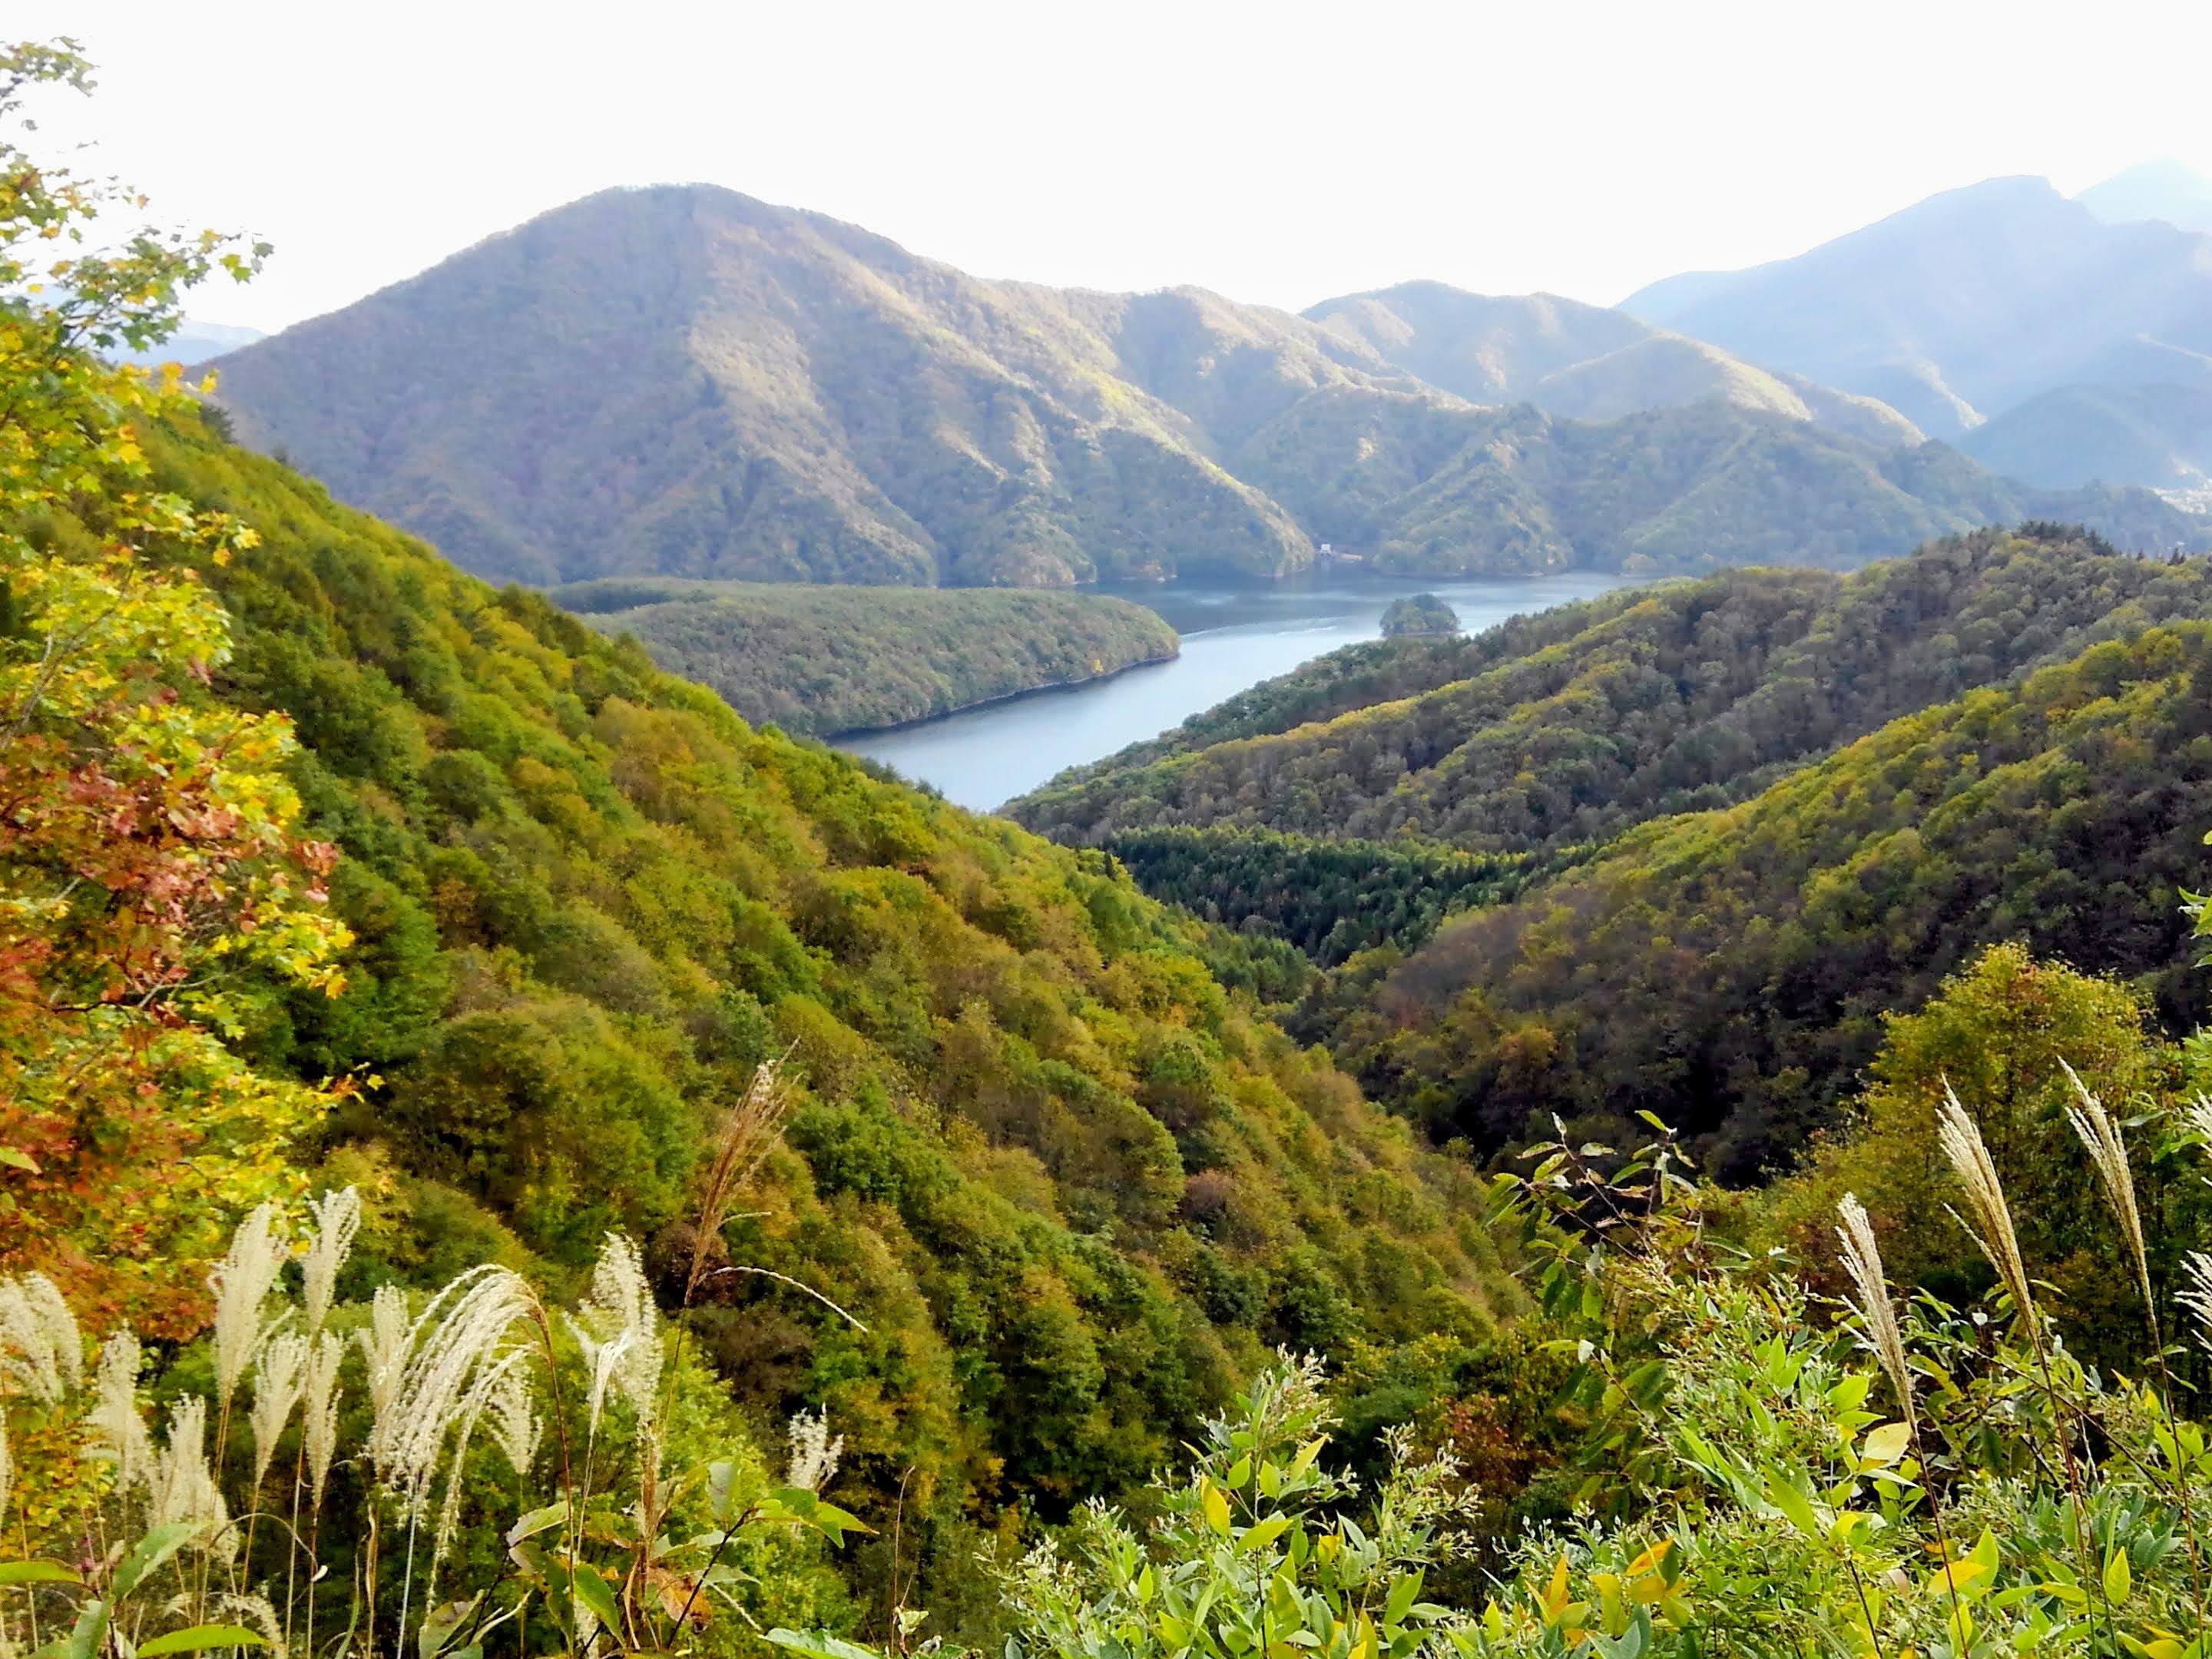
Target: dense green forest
[1330, 896]
[821, 661]
[791, 398]
[1729, 969]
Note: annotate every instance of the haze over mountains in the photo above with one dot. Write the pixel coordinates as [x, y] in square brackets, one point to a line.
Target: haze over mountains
[2054, 340]
[681, 381]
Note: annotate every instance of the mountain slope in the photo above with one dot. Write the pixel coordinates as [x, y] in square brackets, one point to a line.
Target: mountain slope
[1572, 726]
[1965, 305]
[2160, 435]
[1728, 970]
[1580, 361]
[683, 381]
[1071, 1187]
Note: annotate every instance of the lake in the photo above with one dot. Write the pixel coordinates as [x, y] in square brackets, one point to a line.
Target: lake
[1233, 637]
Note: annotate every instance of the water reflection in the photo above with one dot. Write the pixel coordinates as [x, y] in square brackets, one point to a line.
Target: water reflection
[1233, 637]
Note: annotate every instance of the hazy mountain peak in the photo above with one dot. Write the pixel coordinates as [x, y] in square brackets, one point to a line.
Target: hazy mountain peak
[1963, 305]
[2166, 189]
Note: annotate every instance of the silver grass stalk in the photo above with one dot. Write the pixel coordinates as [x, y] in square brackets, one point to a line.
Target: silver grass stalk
[257, 1612]
[1993, 1229]
[7, 1465]
[241, 1282]
[2196, 1295]
[336, 1220]
[516, 1428]
[277, 1384]
[461, 1328]
[620, 1305]
[1863, 1261]
[483, 1392]
[41, 1354]
[181, 1488]
[319, 1412]
[384, 1346]
[2108, 1154]
[601, 1360]
[118, 1429]
[814, 1455]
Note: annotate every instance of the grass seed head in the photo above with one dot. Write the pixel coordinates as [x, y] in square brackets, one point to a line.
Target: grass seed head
[1863, 1261]
[1992, 1227]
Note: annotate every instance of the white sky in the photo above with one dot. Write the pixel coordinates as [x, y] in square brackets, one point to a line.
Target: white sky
[1274, 152]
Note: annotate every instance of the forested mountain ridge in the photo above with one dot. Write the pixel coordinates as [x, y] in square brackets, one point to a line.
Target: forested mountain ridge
[684, 382]
[1074, 1190]
[819, 660]
[1728, 970]
[1571, 727]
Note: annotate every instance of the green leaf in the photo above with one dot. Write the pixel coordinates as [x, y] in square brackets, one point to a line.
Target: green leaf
[1260, 1533]
[1404, 1591]
[2118, 1578]
[194, 1638]
[820, 1644]
[36, 1573]
[597, 1596]
[1795, 1505]
[148, 1554]
[84, 1640]
[536, 1520]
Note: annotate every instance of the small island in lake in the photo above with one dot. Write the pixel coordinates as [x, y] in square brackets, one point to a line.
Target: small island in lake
[1418, 613]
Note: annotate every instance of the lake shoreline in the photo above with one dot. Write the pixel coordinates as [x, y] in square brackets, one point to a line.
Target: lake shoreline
[1014, 695]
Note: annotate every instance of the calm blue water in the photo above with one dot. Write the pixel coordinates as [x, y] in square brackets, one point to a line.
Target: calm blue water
[1233, 637]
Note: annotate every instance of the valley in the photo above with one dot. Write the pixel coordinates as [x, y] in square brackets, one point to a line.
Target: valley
[1234, 636]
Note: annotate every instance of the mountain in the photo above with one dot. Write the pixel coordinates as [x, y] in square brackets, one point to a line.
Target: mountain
[2157, 434]
[1582, 361]
[1966, 305]
[683, 381]
[822, 661]
[2167, 191]
[194, 343]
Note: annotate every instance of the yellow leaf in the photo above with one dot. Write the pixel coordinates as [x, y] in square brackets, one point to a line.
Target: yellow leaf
[1885, 1444]
[1216, 1507]
[1555, 1593]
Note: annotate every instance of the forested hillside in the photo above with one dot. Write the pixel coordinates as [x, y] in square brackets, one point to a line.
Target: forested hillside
[1569, 726]
[1728, 970]
[821, 661]
[587, 901]
[684, 382]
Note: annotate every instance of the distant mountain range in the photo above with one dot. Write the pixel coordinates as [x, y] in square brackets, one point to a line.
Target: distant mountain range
[2055, 341]
[681, 381]
[195, 342]
[1584, 361]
